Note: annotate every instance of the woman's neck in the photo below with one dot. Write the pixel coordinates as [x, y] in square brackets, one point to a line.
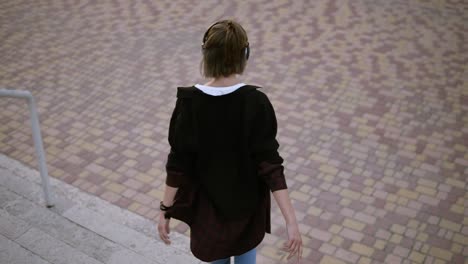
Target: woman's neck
[223, 81]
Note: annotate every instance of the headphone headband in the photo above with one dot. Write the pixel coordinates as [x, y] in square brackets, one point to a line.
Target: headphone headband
[205, 38]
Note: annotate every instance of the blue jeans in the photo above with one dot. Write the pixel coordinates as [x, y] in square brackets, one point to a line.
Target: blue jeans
[248, 257]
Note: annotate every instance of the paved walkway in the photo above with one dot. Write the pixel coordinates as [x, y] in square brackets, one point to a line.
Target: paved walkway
[371, 98]
[80, 228]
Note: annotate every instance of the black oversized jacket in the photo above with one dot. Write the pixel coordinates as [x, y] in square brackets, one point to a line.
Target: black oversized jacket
[224, 159]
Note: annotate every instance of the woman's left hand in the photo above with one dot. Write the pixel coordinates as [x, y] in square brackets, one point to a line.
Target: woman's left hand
[164, 229]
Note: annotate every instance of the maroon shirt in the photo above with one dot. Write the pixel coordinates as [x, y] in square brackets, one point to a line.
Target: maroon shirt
[213, 235]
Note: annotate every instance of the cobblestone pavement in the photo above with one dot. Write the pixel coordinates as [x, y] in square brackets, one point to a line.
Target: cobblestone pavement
[371, 99]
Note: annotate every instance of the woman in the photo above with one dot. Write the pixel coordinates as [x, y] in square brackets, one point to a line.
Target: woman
[224, 158]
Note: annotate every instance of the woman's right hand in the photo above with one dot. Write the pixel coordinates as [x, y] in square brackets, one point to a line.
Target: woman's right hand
[164, 229]
[294, 243]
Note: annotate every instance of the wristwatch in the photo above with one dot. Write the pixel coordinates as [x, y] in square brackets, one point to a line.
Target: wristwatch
[164, 208]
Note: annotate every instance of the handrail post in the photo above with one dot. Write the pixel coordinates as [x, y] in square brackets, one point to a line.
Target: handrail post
[36, 133]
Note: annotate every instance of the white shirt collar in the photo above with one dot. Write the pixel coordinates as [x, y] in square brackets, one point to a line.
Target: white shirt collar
[217, 91]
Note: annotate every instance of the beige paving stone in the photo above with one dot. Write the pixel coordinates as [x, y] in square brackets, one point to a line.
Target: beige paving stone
[353, 224]
[402, 201]
[416, 257]
[380, 244]
[459, 238]
[271, 252]
[450, 225]
[362, 249]
[300, 196]
[440, 253]
[456, 248]
[134, 206]
[408, 194]
[336, 240]
[115, 187]
[399, 229]
[455, 183]
[413, 223]
[439, 261]
[364, 260]
[328, 169]
[426, 190]
[144, 178]
[395, 238]
[350, 194]
[158, 194]
[331, 260]
[314, 211]
[335, 229]
[318, 158]
[390, 207]
[392, 198]
[345, 202]
[320, 235]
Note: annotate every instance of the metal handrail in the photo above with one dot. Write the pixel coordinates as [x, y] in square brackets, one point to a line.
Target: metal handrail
[36, 131]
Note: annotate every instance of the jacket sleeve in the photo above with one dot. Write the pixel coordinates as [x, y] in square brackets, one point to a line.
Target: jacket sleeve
[265, 146]
[176, 175]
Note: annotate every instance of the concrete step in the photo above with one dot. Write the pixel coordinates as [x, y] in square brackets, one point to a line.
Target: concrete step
[83, 226]
[52, 249]
[21, 214]
[13, 253]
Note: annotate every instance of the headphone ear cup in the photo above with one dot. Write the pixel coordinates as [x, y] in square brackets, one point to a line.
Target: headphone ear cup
[247, 52]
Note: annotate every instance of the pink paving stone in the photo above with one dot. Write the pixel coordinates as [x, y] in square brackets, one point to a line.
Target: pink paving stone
[347, 212]
[94, 168]
[462, 162]
[111, 165]
[370, 229]
[132, 183]
[433, 220]
[143, 198]
[429, 260]
[327, 249]
[110, 196]
[411, 233]
[320, 234]
[95, 178]
[351, 234]
[123, 202]
[70, 179]
[129, 193]
[142, 210]
[152, 214]
[383, 234]
[346, 255]
[439, 242]
[465, 251]
[145, 188]
[314, 243]
[406, 211]
[369, 219]
[392, 259]
[428, 200]
[414, 205]
[430, 168]
[368, 241]
[459, 259]
[401, 251]
[464, 230]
